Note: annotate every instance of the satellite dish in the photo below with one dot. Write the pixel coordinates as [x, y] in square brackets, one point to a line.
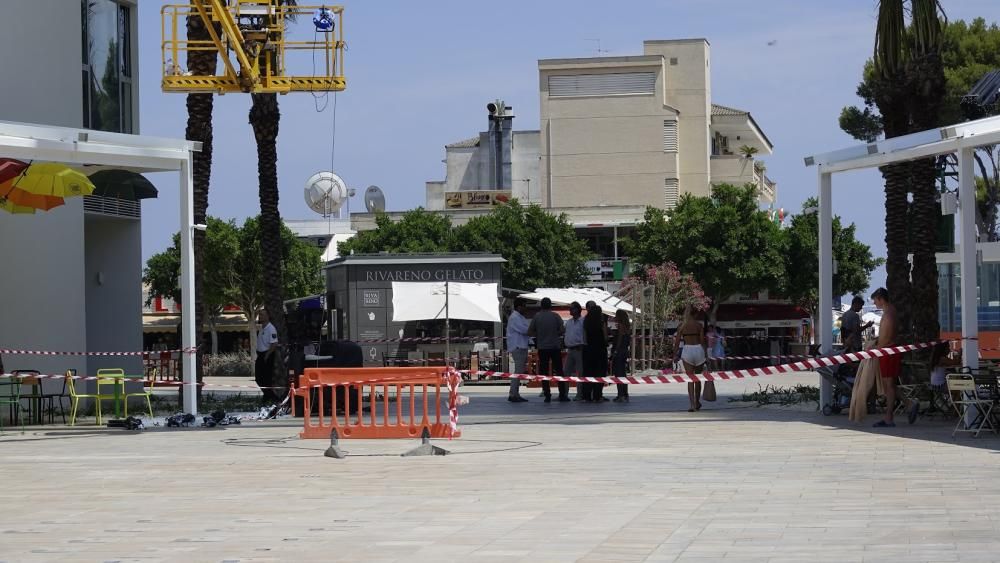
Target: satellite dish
[374, 199]
[325, 192]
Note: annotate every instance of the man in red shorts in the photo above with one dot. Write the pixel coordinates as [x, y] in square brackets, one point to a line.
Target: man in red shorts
[891, 365]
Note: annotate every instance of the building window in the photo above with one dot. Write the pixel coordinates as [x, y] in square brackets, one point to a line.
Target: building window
[107, 66]
[602, 84]
[671, 189]
[669, 135]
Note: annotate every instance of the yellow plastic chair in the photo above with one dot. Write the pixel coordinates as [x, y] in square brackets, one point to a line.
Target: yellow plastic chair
[114, 378]
[146, 392]
[74, 397]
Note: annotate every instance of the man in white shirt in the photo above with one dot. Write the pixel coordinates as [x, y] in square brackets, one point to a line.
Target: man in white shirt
[518, 343]
[574, 341]
[267, 347]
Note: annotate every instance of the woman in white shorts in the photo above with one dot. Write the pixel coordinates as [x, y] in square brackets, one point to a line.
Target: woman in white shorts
[690, 340]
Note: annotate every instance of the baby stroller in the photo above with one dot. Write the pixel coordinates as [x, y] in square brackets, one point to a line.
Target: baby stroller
[841, 378]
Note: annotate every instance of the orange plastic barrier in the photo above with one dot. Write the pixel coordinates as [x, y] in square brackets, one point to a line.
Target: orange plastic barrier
[416, 388]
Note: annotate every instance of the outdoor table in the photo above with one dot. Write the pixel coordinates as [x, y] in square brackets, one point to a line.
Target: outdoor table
[120, 380]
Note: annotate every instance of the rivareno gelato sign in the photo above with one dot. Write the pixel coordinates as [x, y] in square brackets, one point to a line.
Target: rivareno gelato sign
[476, 199]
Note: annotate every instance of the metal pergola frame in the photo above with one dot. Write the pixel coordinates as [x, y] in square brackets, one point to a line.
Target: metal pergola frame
[961, 139]
[78, 147]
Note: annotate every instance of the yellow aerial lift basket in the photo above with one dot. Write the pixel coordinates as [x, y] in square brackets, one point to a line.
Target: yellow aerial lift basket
[257, 47]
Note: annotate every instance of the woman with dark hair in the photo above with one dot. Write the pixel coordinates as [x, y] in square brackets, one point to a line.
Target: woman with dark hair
[620, 352]
[595, 352]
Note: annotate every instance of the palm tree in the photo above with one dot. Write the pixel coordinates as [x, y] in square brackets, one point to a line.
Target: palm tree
[199, 128]
[264, 119]
[891, 95]
[925, 75]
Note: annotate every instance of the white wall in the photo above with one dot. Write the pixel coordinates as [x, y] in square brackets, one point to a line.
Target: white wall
[41, 287]
[113, 282]
[525, 166]
[40, 42]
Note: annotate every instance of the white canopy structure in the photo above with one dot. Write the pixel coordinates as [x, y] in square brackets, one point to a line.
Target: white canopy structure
[564, 296]
[961, 139]
[424, 301]
[79, 147]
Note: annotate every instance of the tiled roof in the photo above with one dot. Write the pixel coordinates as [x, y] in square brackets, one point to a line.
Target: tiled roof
[726, 110]
[466, 144]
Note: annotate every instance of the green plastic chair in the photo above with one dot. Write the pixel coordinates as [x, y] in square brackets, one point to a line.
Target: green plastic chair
[10, 396]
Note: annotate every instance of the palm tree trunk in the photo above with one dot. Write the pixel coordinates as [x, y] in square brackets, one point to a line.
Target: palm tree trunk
[925, 215]
[199, 128]
[925, 74]
[897, 264]
[264, 118]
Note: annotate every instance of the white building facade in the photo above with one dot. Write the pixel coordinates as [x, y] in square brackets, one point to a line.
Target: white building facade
[73, 275]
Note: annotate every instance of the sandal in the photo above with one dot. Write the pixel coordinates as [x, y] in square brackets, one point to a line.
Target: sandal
[884, 424]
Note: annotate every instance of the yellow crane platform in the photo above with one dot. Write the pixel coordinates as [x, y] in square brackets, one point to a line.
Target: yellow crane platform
[256, 47]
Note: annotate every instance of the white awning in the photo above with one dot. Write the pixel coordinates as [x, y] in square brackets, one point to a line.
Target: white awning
[564, 296]
[423, 301]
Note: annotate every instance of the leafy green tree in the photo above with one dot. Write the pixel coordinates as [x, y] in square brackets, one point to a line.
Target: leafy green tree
[541, 249]
[725, 241]
[236, 273]
[969, 51]
[301, 265]
[855, 262]
[419, 230]
[162, 272]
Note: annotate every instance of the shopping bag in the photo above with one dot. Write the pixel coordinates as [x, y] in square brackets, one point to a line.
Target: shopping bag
[708, 393]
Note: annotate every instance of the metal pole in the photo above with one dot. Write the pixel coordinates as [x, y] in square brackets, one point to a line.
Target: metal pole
[824, 328]
[447, 325]
[968, 264]
[188, 357]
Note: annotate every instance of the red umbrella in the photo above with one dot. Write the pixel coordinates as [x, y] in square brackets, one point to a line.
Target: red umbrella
[9, 168]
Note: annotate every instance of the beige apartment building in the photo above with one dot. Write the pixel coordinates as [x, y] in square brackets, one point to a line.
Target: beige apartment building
[616, 134]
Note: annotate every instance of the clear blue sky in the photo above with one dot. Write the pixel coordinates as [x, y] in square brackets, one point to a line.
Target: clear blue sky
[420, 73]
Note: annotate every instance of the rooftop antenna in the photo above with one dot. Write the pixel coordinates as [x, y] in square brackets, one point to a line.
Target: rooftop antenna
[599, 51]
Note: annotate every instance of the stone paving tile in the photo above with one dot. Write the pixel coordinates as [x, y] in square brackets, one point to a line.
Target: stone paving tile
[529, 482]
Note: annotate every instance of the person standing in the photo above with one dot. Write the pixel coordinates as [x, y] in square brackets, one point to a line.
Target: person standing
[690, 342]
[547, 328]
[890, 366]
[517, 343]
[574, 341]
[715, 348]
[595, 352]
[621, 352]
[267, 347]
[851, 328]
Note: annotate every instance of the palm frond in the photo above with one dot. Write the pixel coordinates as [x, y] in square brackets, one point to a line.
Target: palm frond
[890, 39]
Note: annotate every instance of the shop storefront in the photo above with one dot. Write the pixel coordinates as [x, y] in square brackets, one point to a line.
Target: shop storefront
[359, 302]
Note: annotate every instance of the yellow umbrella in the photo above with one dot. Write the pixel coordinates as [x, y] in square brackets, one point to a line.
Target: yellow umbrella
[49, 179]
[10, 207]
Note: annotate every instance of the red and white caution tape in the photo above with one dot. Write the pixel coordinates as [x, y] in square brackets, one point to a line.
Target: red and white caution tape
[48, 353]
[430, 339]
[670, 377]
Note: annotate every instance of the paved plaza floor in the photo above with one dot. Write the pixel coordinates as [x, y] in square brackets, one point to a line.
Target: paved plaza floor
[527, 482]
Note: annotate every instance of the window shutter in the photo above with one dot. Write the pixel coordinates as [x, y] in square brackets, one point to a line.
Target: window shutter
[669, 135]
[671, 187]
[602, 84]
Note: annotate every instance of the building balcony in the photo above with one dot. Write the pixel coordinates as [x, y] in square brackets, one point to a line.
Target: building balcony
[738, 171]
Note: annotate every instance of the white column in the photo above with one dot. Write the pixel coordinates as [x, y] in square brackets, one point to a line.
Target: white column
[967, 259]
[824, 324]
[188, 338]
